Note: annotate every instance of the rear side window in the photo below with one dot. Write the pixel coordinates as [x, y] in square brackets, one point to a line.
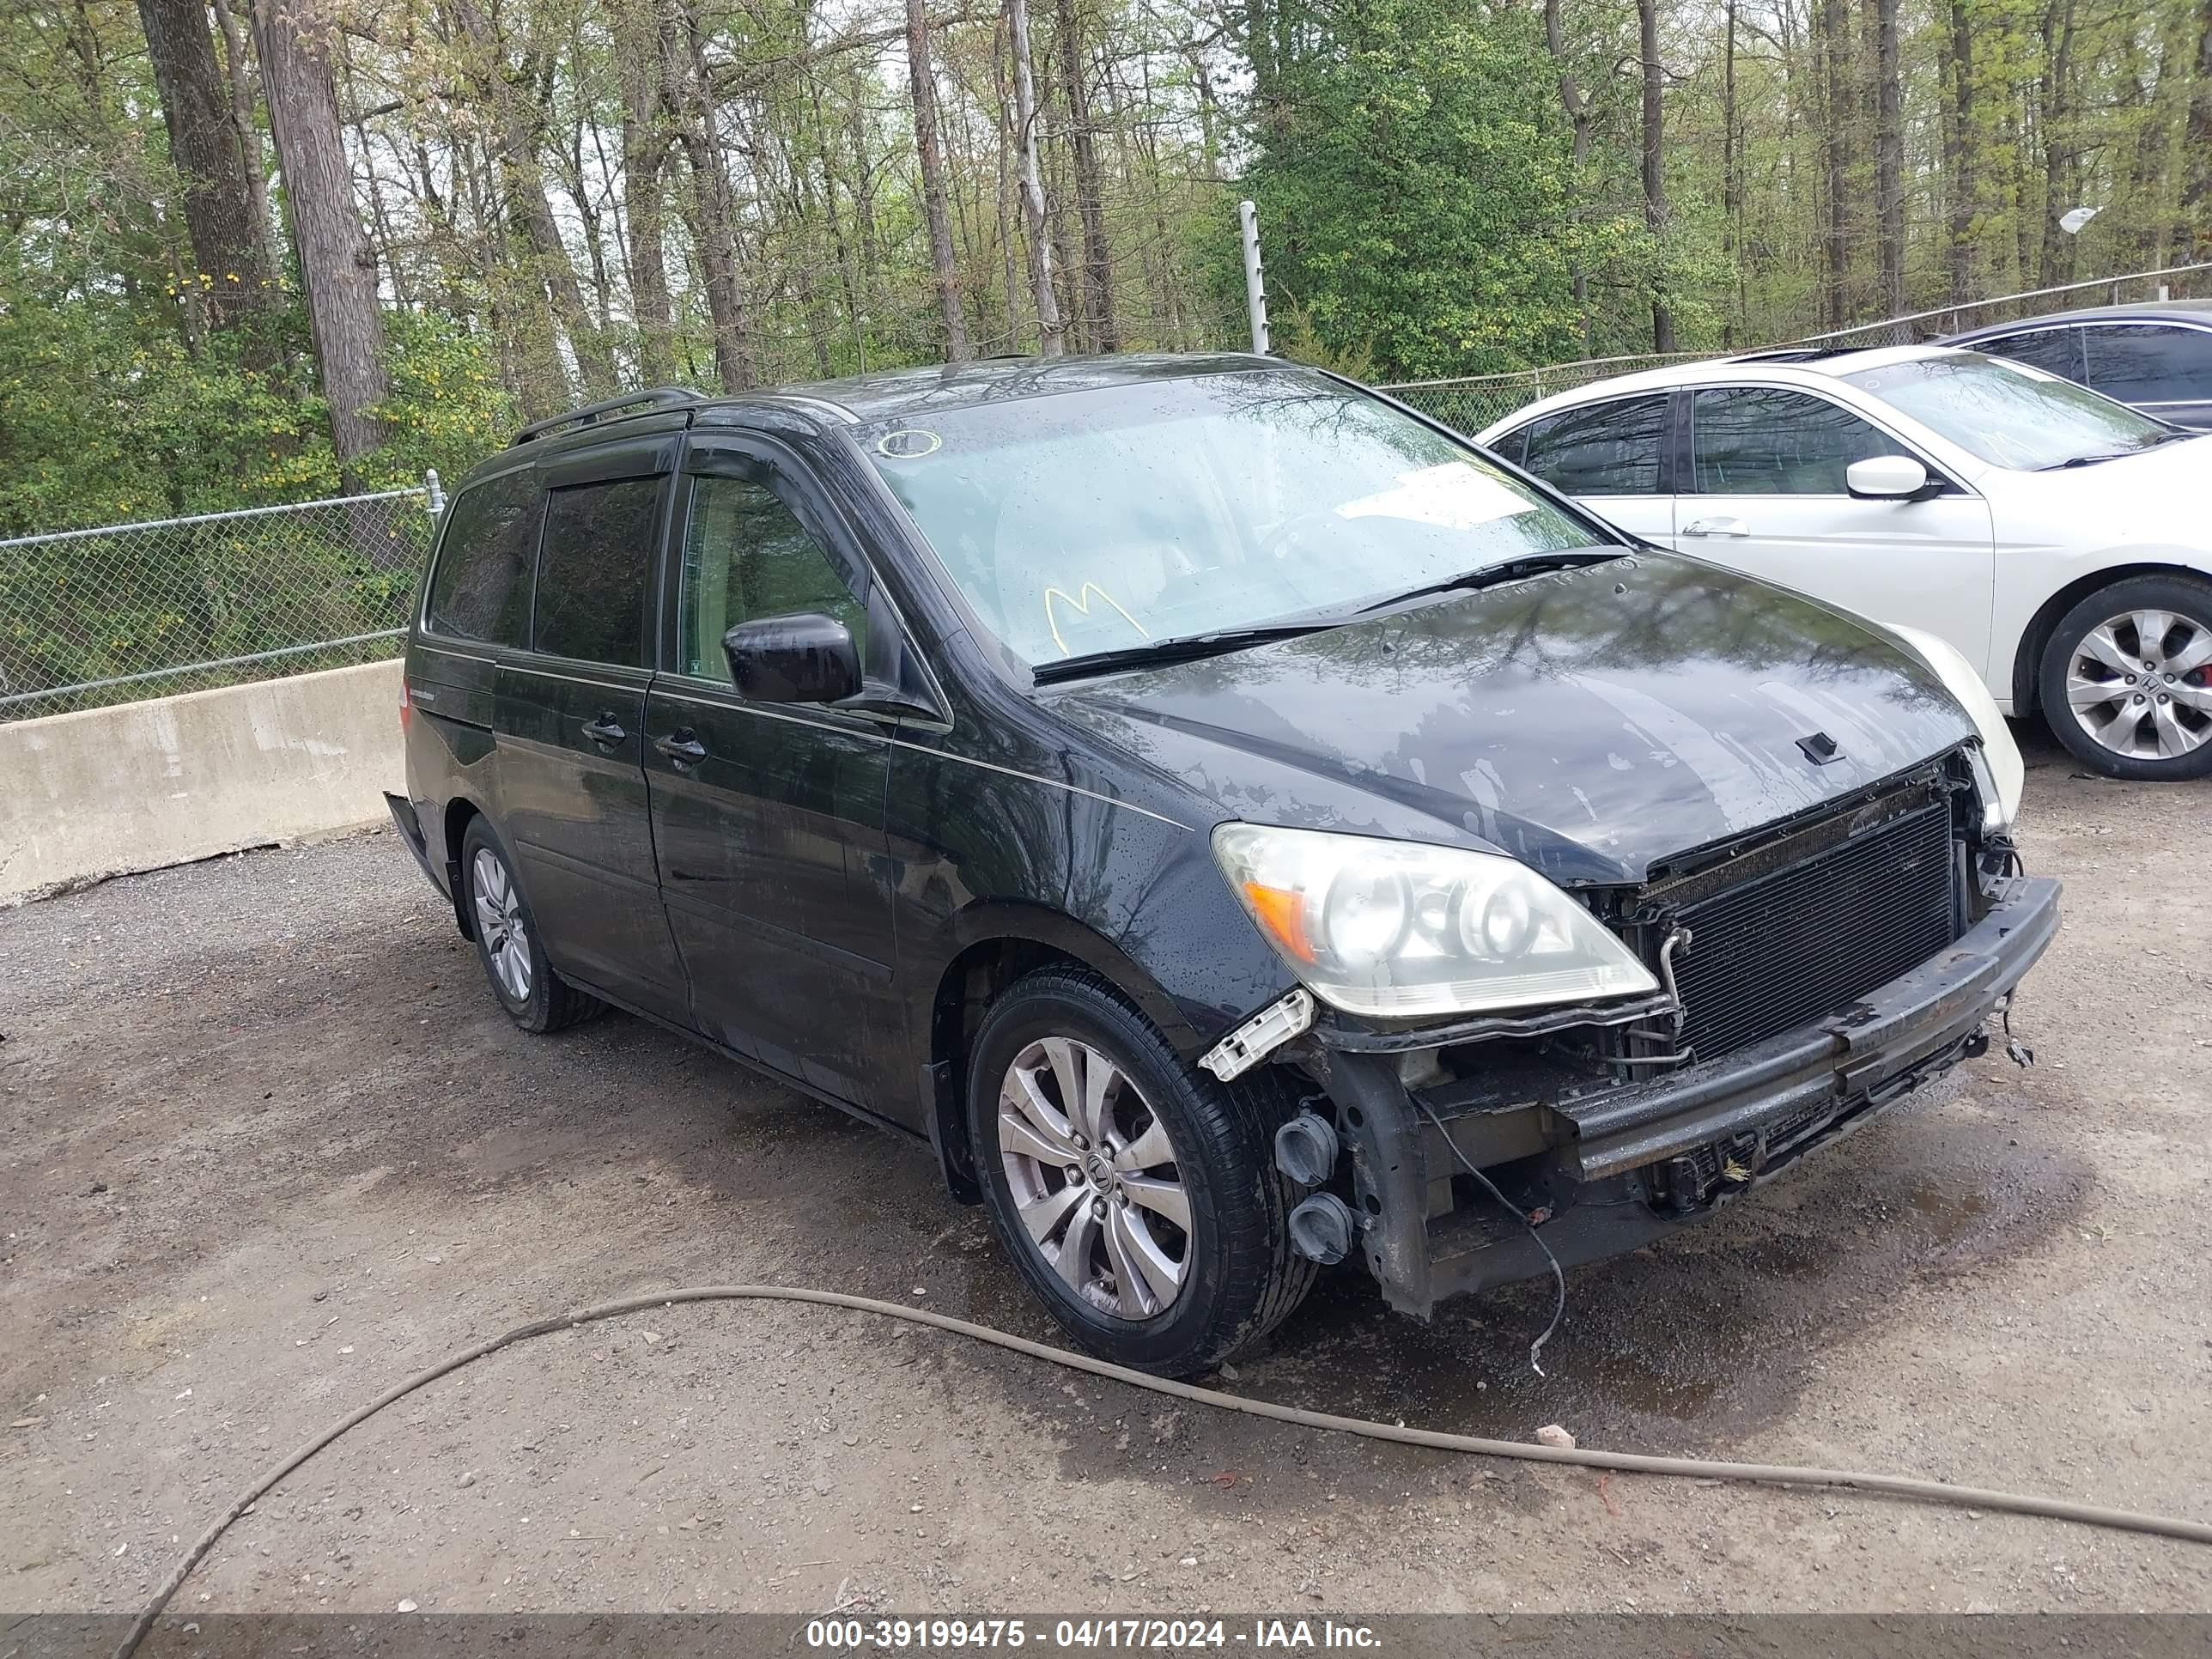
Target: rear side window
[2055, 350]
[1768, 441]
[599, 543]
[1609, 449]
[745, 556]
[480, 588]
[2151, 362]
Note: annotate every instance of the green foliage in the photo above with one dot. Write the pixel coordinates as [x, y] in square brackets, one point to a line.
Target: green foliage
[447, 410]
[1416, 186]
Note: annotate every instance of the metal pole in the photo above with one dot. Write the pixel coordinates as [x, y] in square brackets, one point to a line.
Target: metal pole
[1255, 293]
[434, 492]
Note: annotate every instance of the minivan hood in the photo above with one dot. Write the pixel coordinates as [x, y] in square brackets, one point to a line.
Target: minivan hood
[1589, 722]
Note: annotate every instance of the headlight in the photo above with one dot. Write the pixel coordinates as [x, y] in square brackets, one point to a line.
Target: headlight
[1999, 752]
[1394, 928]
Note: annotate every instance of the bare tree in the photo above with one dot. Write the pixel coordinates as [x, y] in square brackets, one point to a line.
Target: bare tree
[645, 157]
[2197, 189]
[1889, 158]
[293, 38]
[1052, 333]
[1655, 172]
[942, 263]
[523, 181]
[1089, 201]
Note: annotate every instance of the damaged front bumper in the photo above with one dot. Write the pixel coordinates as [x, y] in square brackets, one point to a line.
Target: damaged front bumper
[1604, 1170]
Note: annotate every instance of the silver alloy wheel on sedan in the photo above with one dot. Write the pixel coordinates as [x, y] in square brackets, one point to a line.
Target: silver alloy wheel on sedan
[499, 924]
[1094, 1178]
[2141, 685]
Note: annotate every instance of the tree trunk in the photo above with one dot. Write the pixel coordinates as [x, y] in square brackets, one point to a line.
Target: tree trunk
[523, 182]
[1835, 38]
[1655, 176]
[1579, 118]
[941, 264]
[645, 154]
[1889, 158]
[2197, 189]
[2061, 175]
[1962, 147]
[1731, 182]
[243, 103]
[293, 39]
[1090, 205]
[205, 147]
[714, 221]
[1052, 333]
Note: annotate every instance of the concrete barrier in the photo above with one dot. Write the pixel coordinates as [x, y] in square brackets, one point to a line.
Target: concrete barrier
[143, 785]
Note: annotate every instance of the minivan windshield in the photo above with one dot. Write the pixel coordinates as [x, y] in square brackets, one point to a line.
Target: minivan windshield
[1121, 516]
[2009, 415]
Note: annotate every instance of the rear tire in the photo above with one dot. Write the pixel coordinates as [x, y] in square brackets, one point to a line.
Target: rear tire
[1162, 1241]
[2126, 679]
[508, 945]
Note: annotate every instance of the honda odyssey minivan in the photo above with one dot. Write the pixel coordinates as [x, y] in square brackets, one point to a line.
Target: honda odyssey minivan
[1235, 823]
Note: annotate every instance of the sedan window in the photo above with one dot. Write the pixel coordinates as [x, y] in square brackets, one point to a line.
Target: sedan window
[1768, 440]
[1603, 449]
[2054, 350]
[2008, 414]
[2151, 362]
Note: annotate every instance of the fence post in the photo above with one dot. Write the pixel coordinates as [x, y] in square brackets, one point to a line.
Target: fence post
[1255, 292]
[434, 492]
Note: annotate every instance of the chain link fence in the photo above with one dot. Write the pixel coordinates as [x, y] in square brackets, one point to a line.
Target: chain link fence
[1469, 405]
[90, 617]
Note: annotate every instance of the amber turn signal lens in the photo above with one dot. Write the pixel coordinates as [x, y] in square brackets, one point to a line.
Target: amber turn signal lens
[1284, 915]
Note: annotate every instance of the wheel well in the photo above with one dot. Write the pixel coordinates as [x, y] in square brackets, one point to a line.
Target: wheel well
[2029, 659]
[971, 983]
[458, 814]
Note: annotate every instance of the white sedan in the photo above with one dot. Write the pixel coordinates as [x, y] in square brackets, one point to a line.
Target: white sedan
[2061, 541]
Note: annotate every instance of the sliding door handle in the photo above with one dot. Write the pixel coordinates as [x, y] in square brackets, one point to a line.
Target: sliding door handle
[682, 748]
[1716, 527]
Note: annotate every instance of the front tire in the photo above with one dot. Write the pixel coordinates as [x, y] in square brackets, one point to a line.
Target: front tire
[509, 946]
[1136, 1197]
[2126, 679]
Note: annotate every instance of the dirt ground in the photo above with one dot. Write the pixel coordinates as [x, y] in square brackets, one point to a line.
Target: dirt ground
[270, 1147]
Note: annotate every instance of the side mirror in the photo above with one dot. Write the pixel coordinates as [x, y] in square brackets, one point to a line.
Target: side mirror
[806, 657]
[1885, 478]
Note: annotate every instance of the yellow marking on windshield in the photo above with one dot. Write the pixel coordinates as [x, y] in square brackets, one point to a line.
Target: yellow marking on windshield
[1081, 603]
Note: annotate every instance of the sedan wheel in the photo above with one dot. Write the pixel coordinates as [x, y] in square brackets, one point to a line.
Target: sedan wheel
[1093, 1176]
[2139, 685]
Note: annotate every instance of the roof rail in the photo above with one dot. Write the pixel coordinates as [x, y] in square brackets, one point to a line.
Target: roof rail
[659, 397]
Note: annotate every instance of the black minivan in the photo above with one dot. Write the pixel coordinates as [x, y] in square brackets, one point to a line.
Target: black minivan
[1238, 823]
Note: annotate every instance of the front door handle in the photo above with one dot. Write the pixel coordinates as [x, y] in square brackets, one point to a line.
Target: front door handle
[607, 729]
[1716, 527]
[682, 748]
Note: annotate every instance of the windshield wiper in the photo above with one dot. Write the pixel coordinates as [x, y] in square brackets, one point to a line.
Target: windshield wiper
[1185, 647]
[2174, 436]
[1508, 570]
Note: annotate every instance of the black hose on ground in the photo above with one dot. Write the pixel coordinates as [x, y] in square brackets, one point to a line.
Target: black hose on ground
[2054, 1509]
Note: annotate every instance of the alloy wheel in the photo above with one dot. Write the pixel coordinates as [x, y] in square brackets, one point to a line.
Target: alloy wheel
[500, 925]
[2141, 685]
[1094, 1178]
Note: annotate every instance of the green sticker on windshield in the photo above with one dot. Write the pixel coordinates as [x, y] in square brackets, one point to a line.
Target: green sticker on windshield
[908, 443]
